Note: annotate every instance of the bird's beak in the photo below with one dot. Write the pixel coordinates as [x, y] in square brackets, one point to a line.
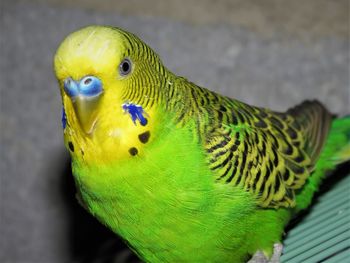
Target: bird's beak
[85, 96]
[86, 112]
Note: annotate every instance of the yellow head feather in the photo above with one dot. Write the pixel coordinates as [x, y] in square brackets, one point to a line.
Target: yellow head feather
[98, 51]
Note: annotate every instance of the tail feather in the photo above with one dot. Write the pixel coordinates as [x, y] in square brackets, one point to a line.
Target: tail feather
[335, 151]
[315, 121]
[337, 148]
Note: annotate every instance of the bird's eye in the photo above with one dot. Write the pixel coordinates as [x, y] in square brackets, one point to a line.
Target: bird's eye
[125, 67]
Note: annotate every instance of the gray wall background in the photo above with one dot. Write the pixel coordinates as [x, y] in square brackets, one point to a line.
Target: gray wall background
[268, 53]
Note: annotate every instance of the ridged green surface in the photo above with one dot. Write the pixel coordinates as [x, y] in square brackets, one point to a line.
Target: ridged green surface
[324, 234]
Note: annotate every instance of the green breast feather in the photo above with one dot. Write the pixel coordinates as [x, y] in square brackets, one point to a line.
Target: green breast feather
[216, 180]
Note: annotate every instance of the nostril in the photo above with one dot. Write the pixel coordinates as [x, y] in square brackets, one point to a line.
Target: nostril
[87, 81]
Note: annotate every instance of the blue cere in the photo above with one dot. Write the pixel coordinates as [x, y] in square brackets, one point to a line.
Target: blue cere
[136, 113]
[90, 86]
[71, 87]
[64, 118]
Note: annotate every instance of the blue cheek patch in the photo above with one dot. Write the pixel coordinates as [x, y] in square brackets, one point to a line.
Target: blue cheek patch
[136, 113]
[64, 119]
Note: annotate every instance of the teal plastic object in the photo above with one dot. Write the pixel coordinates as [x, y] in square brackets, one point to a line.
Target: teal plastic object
[323, 235]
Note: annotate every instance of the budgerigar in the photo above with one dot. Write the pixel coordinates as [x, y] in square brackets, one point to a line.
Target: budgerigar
[182, 173]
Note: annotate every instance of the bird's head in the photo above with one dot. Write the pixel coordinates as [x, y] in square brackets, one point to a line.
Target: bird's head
[109, 81]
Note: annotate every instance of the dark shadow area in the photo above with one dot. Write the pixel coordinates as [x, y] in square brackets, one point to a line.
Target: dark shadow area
[328, 183]
[89, 240]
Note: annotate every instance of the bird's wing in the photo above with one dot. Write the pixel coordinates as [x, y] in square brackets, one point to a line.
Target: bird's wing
[268, 154]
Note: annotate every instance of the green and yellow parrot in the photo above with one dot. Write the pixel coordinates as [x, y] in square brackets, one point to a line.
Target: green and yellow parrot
[182, 173]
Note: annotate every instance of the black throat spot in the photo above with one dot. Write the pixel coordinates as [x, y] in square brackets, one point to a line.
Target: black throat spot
[144, 137]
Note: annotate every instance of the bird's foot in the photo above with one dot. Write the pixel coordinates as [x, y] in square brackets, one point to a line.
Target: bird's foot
[260, 257]
[277, 252]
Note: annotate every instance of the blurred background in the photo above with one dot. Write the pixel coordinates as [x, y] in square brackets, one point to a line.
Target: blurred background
[268, 53]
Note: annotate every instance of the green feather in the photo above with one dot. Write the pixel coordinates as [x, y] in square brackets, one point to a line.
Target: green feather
[178, 214]
[335, 151]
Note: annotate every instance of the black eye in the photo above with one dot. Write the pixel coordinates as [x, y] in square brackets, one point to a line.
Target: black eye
[125, 67]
